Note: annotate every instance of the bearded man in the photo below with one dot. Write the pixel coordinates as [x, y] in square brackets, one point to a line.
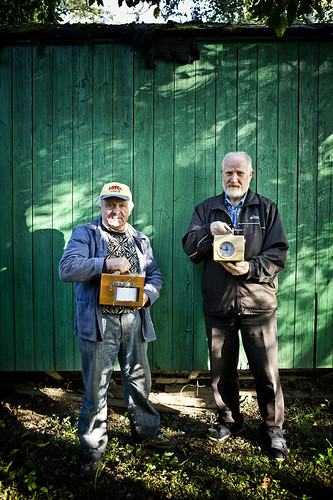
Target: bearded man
[241, 296]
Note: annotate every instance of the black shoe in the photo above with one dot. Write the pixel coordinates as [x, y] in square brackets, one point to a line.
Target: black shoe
[220, 432]
[277, 446]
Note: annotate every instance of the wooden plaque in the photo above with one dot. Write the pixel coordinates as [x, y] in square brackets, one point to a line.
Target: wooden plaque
[121, 289]
[228, 248]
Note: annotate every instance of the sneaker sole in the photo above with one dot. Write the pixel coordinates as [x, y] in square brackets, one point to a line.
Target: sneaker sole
[161, 446]
[217, 440]
[279, 459]
[226, 437]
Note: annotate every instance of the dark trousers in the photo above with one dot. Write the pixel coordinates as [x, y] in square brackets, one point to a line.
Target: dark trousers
[259, 337]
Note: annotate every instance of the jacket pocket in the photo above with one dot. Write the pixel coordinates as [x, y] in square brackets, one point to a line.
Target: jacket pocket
[85, 319]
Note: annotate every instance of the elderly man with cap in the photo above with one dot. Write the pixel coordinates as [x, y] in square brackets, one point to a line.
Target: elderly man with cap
[110, 244]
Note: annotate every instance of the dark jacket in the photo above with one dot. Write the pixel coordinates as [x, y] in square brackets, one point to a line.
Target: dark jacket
[83, 262]
[266, 251]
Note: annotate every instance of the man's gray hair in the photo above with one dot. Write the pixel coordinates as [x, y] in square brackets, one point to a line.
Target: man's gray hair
[236, 153]
[130, 203]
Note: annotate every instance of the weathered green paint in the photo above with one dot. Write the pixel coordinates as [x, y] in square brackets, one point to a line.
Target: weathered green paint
[204, 183]
[163, 185]
[287, 185]
[306, 205]
[65, 350]
[183, 203]
[7, 338]
[23, 290]
[73, 117]
[42, 272]
[324, 268]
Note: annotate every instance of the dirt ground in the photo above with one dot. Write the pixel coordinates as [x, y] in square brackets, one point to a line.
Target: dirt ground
[30, 396]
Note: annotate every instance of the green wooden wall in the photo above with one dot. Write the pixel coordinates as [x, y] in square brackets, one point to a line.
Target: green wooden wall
[73, 117]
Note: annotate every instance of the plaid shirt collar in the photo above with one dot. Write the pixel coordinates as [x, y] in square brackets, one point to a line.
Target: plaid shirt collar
[234, 210]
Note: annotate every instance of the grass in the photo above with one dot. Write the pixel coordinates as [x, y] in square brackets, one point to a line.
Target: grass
[39, 460]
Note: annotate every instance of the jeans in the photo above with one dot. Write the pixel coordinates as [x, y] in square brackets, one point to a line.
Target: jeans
[123, 339]
[259, 337]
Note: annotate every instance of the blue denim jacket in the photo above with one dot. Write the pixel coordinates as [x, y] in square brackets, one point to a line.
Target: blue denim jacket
[82, 263]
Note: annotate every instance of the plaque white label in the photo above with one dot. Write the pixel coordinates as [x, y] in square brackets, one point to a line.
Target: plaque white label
[125, 294]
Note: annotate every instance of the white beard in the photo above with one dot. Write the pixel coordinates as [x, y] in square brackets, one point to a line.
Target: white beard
[235, 192]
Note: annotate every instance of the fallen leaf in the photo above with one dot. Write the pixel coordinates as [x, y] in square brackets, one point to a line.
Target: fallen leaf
[267, 482]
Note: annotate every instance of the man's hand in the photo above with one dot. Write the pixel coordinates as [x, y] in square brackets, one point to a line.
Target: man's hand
[236, 268]
[145, 299]
[120, 264]
[219, 227]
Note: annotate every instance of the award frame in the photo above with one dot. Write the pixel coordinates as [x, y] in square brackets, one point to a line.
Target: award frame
[121, 289]
[228, 248]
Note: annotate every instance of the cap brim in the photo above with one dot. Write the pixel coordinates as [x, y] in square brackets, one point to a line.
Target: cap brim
[115, 196]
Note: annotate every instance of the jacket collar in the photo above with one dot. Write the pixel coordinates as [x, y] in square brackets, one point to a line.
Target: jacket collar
[97, 223]
[93, 225]
[217, 202]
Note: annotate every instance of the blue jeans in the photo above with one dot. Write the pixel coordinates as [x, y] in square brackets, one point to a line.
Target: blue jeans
[123, 339]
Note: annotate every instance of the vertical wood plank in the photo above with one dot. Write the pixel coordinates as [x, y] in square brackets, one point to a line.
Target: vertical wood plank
[247, 93]
[287, 195]
[143, 119]
[266, 171]
[226, 104]
[324, 267]
[65, 348]
[7, 339]
[204, 175]
[142, 184]
[82, 135]
[205, 123]
[22, 202]
[163, 221]
[83, 197]
[42, 207]
[184, 143]
[306, 205]
[102, 119]
[122, 140]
